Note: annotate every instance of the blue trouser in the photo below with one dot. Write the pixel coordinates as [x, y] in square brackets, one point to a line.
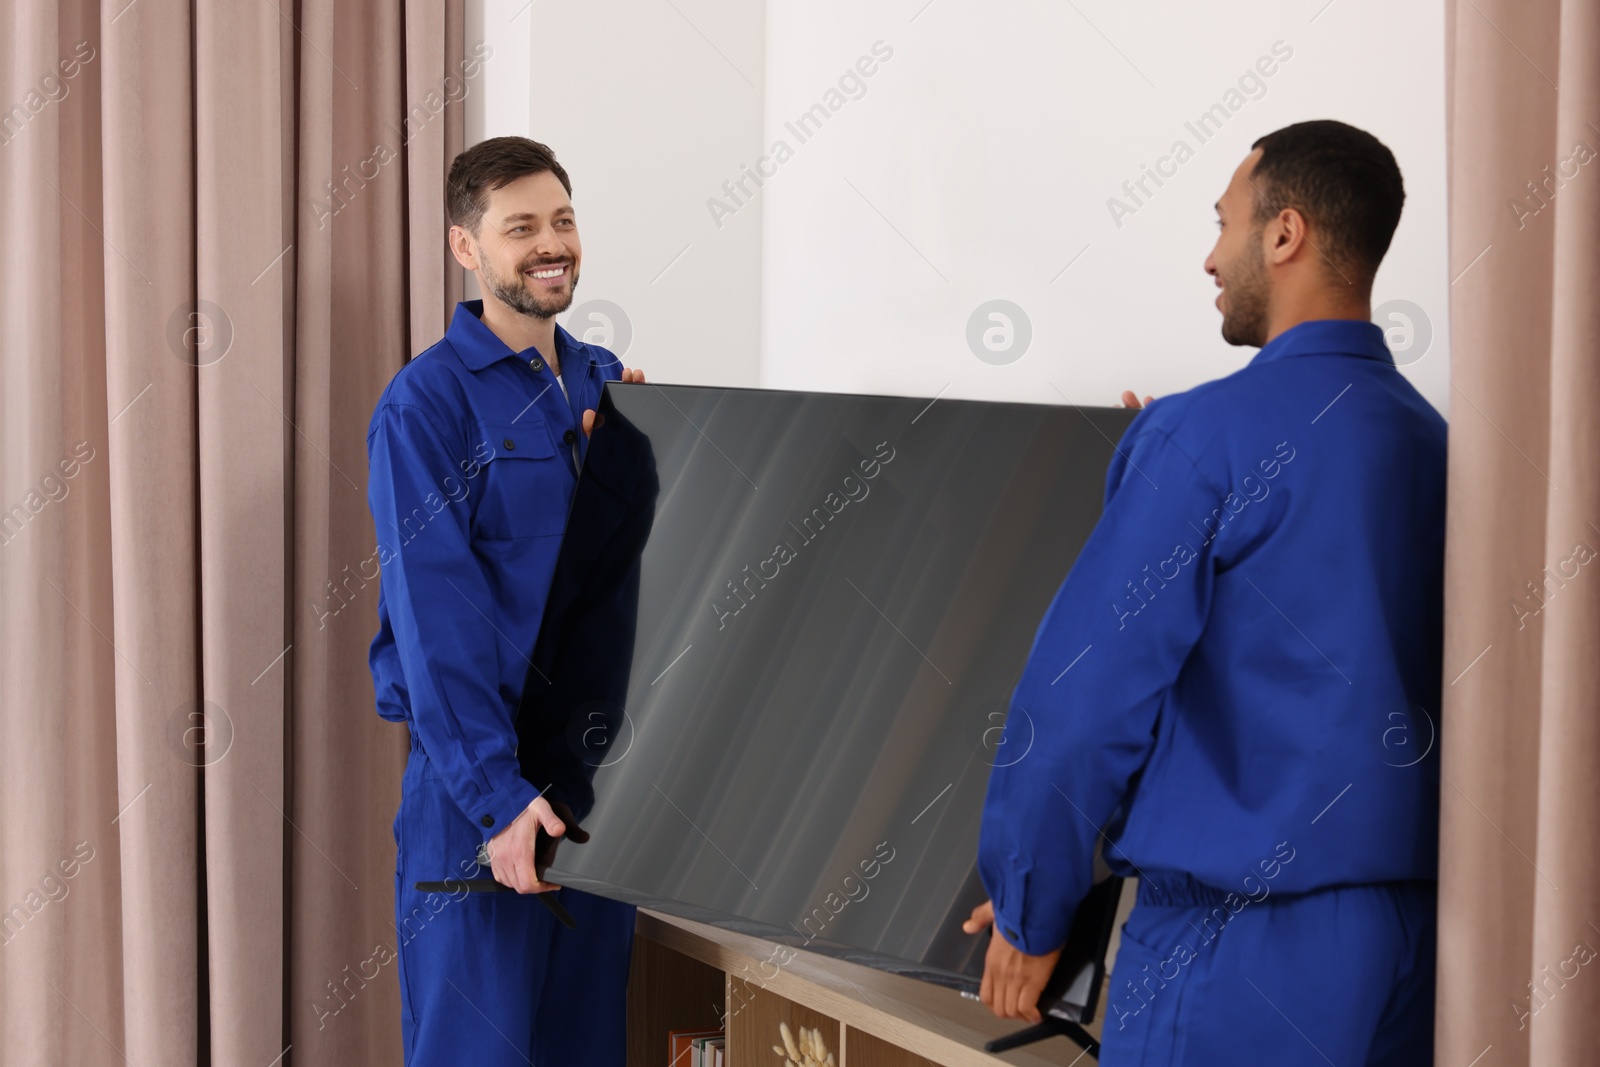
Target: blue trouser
[1340, 976]
[492, 978]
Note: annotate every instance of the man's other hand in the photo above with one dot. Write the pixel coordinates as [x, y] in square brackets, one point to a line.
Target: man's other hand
[511, 851]
[1012, 979]
[544, 852]
[591, 418]
[1131, 400]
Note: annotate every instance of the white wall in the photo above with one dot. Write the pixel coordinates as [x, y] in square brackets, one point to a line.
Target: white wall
[974, 164]
[649, 105]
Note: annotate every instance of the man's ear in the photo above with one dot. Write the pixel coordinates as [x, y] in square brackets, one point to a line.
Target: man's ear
[461, 246]
[1288, 233]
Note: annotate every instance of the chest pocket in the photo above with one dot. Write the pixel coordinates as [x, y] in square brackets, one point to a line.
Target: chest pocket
[526, 487]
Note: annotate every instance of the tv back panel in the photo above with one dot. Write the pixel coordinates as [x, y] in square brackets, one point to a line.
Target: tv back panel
[780, 644]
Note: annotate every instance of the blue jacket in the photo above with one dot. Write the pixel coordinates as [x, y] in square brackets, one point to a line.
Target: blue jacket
[471, 472]
[1239, 680]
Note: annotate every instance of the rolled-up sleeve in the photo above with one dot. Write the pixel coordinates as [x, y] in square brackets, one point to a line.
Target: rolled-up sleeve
[438, 603]
[1111, 644]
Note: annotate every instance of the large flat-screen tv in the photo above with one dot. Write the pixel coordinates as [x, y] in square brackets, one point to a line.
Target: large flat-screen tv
[779, 647]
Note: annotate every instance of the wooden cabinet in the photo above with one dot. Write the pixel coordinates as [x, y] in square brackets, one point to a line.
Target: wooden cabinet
[687, 974]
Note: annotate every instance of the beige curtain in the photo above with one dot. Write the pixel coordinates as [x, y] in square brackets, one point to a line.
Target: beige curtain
[1519, 941]
[224, 234]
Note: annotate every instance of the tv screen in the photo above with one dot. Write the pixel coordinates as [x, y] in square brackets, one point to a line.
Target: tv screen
[778, 651]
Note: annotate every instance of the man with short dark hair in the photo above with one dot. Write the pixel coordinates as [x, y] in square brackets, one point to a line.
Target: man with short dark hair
[1236, 688]
[474, 451]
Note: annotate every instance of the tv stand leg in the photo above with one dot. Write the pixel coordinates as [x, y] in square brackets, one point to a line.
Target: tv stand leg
[1050, 1027]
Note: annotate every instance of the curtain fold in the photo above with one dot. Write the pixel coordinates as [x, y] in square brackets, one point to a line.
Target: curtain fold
[217, 223]
[1519, 948]
[433, 130]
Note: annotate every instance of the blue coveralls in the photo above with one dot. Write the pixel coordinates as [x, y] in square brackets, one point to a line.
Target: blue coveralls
[1239, 684]
[471, 474]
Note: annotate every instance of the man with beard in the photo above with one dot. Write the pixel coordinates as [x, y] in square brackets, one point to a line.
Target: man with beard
[474, 452]
[1237, 685]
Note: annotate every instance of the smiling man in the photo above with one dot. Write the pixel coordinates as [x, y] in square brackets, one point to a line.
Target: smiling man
[1235, 690]
[474, 451]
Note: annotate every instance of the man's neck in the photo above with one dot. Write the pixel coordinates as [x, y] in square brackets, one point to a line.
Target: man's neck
[1312, 307]
[521, 332]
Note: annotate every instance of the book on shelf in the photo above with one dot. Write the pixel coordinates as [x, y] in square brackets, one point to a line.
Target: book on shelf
[686, 1047]
[707, 1051]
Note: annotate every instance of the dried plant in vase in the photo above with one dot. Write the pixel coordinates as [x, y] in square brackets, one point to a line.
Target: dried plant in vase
[809, 1051]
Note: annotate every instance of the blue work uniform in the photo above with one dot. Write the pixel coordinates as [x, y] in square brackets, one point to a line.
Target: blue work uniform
[1237, 690]
[474, 452]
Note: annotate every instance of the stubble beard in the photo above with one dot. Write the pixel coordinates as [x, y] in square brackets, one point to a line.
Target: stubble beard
[515, 294]
[1245, 321]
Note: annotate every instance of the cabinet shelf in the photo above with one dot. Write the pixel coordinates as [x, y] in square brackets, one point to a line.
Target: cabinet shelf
[688, 974]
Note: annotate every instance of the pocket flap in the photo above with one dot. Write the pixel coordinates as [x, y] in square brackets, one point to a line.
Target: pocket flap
[527, 438]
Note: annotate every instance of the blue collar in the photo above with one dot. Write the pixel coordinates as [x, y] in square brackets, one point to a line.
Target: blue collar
[479, 347]
[1322, 337]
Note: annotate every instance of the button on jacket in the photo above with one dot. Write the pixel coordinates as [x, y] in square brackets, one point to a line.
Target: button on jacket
[1244, 662]
[469, 484]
